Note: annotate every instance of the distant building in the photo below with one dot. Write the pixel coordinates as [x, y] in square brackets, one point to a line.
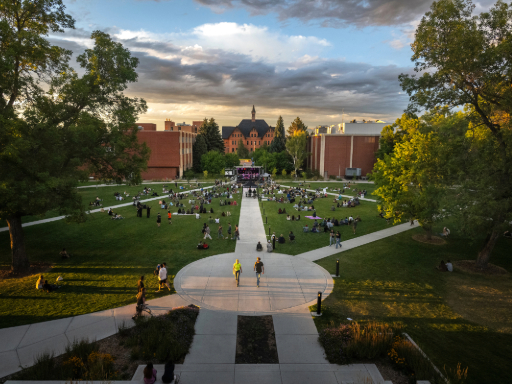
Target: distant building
[253, 133]
[348, 145]
[171, 149]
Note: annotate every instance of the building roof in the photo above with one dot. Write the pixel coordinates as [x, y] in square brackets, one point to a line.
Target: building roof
[246, 126]
[363, 129]
[227, 131]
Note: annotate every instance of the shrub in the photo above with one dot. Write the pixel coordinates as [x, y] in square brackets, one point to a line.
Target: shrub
[43, 369]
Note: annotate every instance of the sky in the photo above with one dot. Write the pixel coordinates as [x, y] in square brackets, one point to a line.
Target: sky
[326, 61]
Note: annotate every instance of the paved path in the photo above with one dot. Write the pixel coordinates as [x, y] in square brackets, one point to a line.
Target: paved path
[57, 218]
[212, 355]
[334, 194]
[320, 253]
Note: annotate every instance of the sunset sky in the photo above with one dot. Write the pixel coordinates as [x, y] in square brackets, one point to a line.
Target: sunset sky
[216, 58]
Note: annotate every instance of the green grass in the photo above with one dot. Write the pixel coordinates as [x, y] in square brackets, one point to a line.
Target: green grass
[109, 200]
[304, 242]
[454, 317]
[108, 256]
[370, 187]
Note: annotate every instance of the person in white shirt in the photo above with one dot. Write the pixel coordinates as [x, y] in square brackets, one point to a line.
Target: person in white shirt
[217, 221]
[162, 278]
[449, 266]
[197, 216]
[350, 219]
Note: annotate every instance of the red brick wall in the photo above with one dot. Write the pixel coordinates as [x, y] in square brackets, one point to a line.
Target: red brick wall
[337, 154]
[164, 148]
[231, 144]
[147, 126]
[364, 153]
[160, 173]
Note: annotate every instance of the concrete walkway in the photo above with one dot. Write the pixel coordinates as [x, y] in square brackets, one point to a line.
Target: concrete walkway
[334, 194]
[287, 288]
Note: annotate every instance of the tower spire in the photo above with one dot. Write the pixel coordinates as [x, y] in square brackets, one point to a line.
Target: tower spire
[253, 114]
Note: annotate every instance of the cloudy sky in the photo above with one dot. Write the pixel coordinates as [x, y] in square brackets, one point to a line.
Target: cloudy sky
[315, 59]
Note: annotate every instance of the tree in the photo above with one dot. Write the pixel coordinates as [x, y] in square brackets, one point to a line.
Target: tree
[297, 125]
[278, 144]
[411, 180]
[57, 127]
[213, 162]
[205, 174]
[284, 173]
[198, 150]
[396, 133]
[232, 160]
[211, 132]
[242, 151]
[296, 147]
[464, 60]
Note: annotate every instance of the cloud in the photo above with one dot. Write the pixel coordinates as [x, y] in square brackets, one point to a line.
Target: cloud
[197, 80]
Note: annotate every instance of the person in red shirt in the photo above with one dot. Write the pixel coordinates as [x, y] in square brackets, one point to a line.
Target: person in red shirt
[169, 216]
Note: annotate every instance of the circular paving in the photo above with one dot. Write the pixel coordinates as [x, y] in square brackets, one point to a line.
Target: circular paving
[289, 283]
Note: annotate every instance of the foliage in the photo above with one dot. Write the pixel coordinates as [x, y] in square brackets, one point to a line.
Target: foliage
[284, 173]
[188, 174]
[211, 132]
[464, 61]
[274, 173]
[213, 162]
[72, 125]
[297, 126]
[279, 141]
[205, 174]
[296, 147]
[242, 151]
[396, 133]
[199, 148]
[304, 174]
[166, 337]
[411, 180]
[231, 160]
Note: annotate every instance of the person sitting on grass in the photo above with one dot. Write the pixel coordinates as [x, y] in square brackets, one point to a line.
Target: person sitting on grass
[291, 236]
[49, 287]
[314, 230]
[149, 374]
[281, 240]
[40, 282]
[288, 217]
[259, 247]
[279, 211]
[442, 267]
[64, 254]
[305, 229]
[449, 266]
[446, 232]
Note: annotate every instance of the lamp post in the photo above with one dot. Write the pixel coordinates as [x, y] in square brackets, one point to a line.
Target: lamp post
[337, 267]
[319, 304]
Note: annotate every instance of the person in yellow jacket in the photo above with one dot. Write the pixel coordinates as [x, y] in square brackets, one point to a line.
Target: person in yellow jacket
[237, 270]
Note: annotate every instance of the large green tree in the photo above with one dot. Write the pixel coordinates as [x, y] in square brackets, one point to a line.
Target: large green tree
[198, 150]
[57, 127]
[464, 60]
[232, 160]
[213, 162]
[296, 147]
[242, 151]
[210, 130]
[279, 142]
[396, 133]
[297, 125]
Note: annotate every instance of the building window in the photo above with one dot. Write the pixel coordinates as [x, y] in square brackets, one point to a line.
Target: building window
[247, 142]
[232, 149]
[259, 142]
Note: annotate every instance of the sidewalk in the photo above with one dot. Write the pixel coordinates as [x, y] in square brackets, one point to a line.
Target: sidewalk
[335, 194]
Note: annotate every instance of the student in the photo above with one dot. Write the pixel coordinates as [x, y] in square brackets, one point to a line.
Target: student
[158, 219]
[237, 270]
[237, 233]
[40, 282]
[162, 277]
[229, 230]
[442, 267]
[149, 374]
[332, 237]
[64, 254]
[219, 233]
[449, 265]
[338, 239]
[259, 247]
[259, 268]
[269, 246]
[207, 233]
[281, 240]
[291, 236]
[140, 284]
[169, 215]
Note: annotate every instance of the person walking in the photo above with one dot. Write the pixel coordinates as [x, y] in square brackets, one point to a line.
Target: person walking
[162, 277]
[237, 270]
[229, 230]
[332, 237]
[148, 209]
[259, 268]
[219, 233]
[237, 233]
[158, 219]
[354, 225]
[140, 284]
[169, 215]
[338, 239]
[207, 232]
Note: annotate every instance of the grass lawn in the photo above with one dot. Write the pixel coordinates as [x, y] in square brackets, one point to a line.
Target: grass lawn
[108, 256]
[109, 200]
[304, 242]
[454, 317]
[370, 187]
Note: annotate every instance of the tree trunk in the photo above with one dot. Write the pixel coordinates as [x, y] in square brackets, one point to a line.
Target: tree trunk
[20, 261]
[485, 253]
[428, 230]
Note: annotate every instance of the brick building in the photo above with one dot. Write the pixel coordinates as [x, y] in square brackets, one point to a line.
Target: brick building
[171, 149]
[254, 133]
[351, 145]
